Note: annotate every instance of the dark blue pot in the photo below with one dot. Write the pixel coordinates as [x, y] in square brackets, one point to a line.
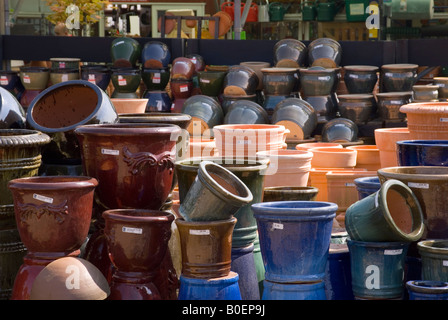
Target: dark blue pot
[427, 290]
[155, 55]
[12, 114]
[338, 277]
[366, 186]
[294, 291]
[243, 263]
[158, 101]
[10, 80]
[291, 229]
[99, 75]
[225, 288]
[422, 152]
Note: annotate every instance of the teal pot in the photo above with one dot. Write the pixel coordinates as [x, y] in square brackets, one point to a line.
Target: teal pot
[240, 80]
[34, 78]
[360, 79]
[377, 269]
[398, 77]
[340, 130]
[205, 110]
[59, 109]
[211, 82]
[389, 104]
[158, 101]
[155, 55]
[181, 89]
[324, 52]
[64, 63]
[250, 171]
[298, 116]
[279, 81]
[393, 213]
[326, 107]
[126, 80]
[216, 194]
[246, 112]
[359, 108]
[318, 81]
[97, 74]
[64, 74]
[434, 254]
[289, 53]
[293, 291]
[125, 52]
[228, 100]
[156, 79]
[427, 290]
[12, 114]
[307, 193]
[429, 185]
[286, 229]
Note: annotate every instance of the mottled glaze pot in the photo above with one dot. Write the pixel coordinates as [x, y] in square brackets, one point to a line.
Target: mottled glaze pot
[427, 290]
[398, 77]
[360, 79]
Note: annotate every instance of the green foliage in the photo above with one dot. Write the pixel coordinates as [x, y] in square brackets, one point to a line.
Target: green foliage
[88, 10]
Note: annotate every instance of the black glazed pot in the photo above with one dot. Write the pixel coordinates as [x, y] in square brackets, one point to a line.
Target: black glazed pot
[240, 80]
[246, 112]
[324, 52]
[360, 108]
[279, 81]
[389, 104]
[360, 78]
[228, 100]
[12, 114]
[290, 53]
[340, 130]
[398, 77]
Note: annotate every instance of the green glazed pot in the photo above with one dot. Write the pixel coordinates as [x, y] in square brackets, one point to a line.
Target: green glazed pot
[211, 82]
[125, 52]
[126, 80]
[156, 79]
[434, 253]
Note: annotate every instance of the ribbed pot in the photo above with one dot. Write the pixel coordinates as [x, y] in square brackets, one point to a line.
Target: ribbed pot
[427, 120]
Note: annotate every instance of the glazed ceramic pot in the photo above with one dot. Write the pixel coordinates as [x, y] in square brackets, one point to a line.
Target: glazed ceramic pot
[282, 193]
[139, 161]
[58, 110]
[99, 75]
[220, 288]
[434, 253]
[289, 53]
[12, 114]
[137, 243]
[442, 83]
[157, 101]
[124, 52]
[359, 108]
[366, 186]
[338, 279]
[393, 213]
[34, 78]
[360, 79]
[125, 80]
[206, 247]
[340, 130]
[422, 152]
[243, 264]
[278, 81]
[282, 228]
[181, 89]
[156, 79]
[250, 171]
[205, 113]
[246, 112]
[10, 80]
[385, 140]
[216, 194]
[180, 119]
[182, 68]
[155, 55]
[294, 291]
[383, 260]
[64, 74]
[198, 61]
[368, 157]
[228, 100]
[426, 120]
[324, 52]
[398, 77]
[53, 217]
[427, 290]
[425, 93]
[64, 63]
[211, 82]
[389, 104]
[257, 66]
[318, 81]
[333, 158]
[325, 106]
[240, 80]
[129, 105]
[428, 184]
[270, 102]
[298, 116]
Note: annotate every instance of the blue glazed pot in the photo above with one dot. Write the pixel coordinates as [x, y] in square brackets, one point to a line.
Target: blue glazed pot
[427, 290]
[155, 55]
[287, 230]
[158, 101]
[243, 263]
[338, 277]
[12, 114]
[294, 291]
[422, 152]
[366, 186]
[377, 269]
[10, 80]
[224, 288]
[99, 75]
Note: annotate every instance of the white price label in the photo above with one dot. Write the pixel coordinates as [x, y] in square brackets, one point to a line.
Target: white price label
[277, 226]
[418, 185]
[183, 88]
[42, 198]
[132, 230]
[195, 232]
[110, 152]
[392, 252]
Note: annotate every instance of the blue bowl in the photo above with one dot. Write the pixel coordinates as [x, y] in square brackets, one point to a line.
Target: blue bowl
[422, 152]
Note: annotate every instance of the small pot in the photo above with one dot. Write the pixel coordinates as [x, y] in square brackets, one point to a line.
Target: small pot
[64, 63]
[125, 52]
[325, 107]
[211, 82]
[333, 158]
[156, 79]
[34, 78]
[289, 53]
[340, 130]
[126, 80]
[442, 83]
[283, 193]
[257, 66]
[157, 101]
[398, 77]
[360, 79]
[324, 52]
[182, 68]
[155, 55]
[64, 74]
[278, 81]
[246, 112]
[99, 75]
[181, 89]
[389, 104]
[318, 81]
[240, 80]
[359, 108]
[425, 92]
[129, 105]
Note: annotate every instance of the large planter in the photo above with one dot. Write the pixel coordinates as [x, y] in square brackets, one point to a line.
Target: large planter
[393, 213]
[12, 114]
[427, 120]
[53, 216]
[434, 253]
[59, 109]
[422, 152]
[137, 244]
[286, 229]
[429, 184]
[385, 140]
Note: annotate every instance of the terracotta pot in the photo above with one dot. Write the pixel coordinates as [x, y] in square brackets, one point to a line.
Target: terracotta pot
[324, 52]
[425, 93]
[428, 183]
[308, 145]
[182, 68]
[156, 79]
[389, 104]
[211, 82]
[287, 167]
[205, 113]
[359, 108]
[240, 80]
[137, 242]
[65, 74]
[340, 130]
[53, 217]
[398, 77]
[225, 23]
[206, 247]
[333, 158]
[157, 101]
[125, 52]
[257, 66]
[278, 81]
[360, 79]
[427, 120]
[289, 53]
[129, 105]
[368, 157]
[202, 148]
[281, 193]
[58, 110]
[246, 112]
[216, 194]
[12, 114]
[97, 74]
[34, 78]
[385, 140]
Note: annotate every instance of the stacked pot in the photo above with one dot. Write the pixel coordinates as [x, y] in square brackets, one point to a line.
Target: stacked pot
[64, 69]
[181, 83]
[34, 80]
[10, 80]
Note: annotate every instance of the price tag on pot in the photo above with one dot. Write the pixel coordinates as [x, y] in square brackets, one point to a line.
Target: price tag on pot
[277, 226]
[392, 252]
[26, 79]
[205, 80]
[64, 77]
[195, 232]
[418, 185]
[91, 78]
[156, 78]
[159, 105]
[443, 119]
[132, 230]
[121, 81]
[445, 263]
[376, 199]
[349, 184]
[326, 78]
[42, 198]
[4, 81]
[110, 152]
[183, 88]
[62, 65]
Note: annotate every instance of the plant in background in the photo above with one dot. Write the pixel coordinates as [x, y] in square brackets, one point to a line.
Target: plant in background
[75, 14]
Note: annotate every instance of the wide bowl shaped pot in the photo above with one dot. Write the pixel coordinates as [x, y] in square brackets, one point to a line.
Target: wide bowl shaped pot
[156, 79]
[205, 113]
[133, 161]
[389, 104]
[211, 82]
[360, 79]
[279, 81]
[398, 77]
[324, 52]
[289, 53]
[59, 109]
[422, 152]
[34, 78]
[359, 108]
[12, 114]
[318, 81]
[126, 80]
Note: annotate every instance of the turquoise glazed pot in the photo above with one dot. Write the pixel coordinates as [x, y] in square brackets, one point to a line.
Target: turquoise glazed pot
[427, 290]
[293, 291]
[286, 229]
[224, 288]
[377, 269]
[434, 254]
[125, 52]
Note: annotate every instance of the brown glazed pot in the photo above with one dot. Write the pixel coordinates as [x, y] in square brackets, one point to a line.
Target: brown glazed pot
[53, 217]
[137, 244]
[206, 247]
[285, 193]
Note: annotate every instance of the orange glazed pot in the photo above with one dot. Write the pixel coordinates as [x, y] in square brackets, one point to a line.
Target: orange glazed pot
[333, 157]
[427, 120]
[368, 157]
[385, 140]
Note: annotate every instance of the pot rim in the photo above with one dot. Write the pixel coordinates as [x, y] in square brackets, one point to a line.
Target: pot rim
[425, 107]
[394, 94]
[127, 128]
[182, 221]
[287, 154]
[264, 127]
[23, 137]
[423, 176]
[427, 286]
[290, 189]
[399, 66]
[356, 96]
[154, 215]
[52, 182]
[427, 245]
[379, 244]
[192, 164]
[361, 68]
[424, 143]
[295, 208]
